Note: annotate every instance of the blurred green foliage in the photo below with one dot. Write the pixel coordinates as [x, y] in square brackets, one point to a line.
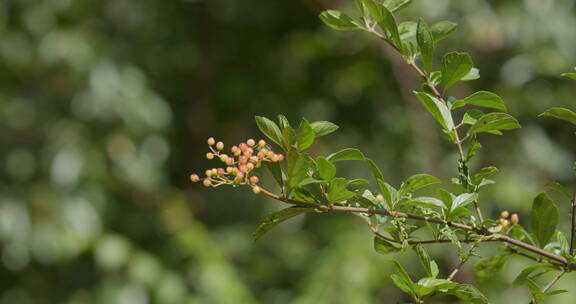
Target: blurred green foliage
[106, 106]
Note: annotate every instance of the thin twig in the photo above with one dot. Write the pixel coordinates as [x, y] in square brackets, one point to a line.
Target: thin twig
[502, 238]
[556, 278]
[455, 271]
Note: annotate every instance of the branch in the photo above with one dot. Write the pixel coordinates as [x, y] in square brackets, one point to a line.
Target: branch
[573, 231]
[501, 238]
[430, 84]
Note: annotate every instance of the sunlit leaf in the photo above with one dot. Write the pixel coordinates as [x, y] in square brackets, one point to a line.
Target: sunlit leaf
[305, 135]
[338, 192]
[455, 66]
[270, 129]
[322, 128]
[437, 109]
[494, 122]
[425, 44]
[560, 113]
[326, 170]
[338, 20]
[441, 30]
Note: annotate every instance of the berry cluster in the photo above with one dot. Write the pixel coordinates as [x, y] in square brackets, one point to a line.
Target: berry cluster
[504, 222]
[244, 158]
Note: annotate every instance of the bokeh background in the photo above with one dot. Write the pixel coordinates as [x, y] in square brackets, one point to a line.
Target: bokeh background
[105, 109]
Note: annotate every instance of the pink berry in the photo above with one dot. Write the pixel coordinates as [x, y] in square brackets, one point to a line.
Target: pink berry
[207, 183]
[250, 166]
[274, 158]
[219, 146]
[223, 158]
[250, 142]
[220, 171]
[254, 180]
[194, 178]
[280, 157]
[243, 168]
[243, 147]
[211, 141]
[209, 173]
[515, 219]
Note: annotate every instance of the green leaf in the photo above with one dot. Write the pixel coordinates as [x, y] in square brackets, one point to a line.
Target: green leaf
[482, 99]
[337, 191]
[535, 290]
[298, 165]
[358, 182]
[560, 113]
[385, 247]
[426, 202]
[472, 116]
[473, 147]
[484, 173]
[463, 200]
[569, 75]
[469, 294]
[455, 66]
[283, 122]
[346, 154]
[494, 122]
[270, 129]
[309, 181]
[418, 181]
[288, 138]
[394, 5]
[402, 284]
[442, 29]
[390, 194]
[305, 135]
[428, 264]
[322, 128]
[438, 109]
[425, 44]
[429, 285]
[472, 75]
[276, 173]
[524, 275]
[407, 29]
[326, 170]
[389, 24]
[273, 219]
[487, 268]
[355, 154]
[560, 189]
[338, 20]
[373, 168]
[402, 277]
[544, 218]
